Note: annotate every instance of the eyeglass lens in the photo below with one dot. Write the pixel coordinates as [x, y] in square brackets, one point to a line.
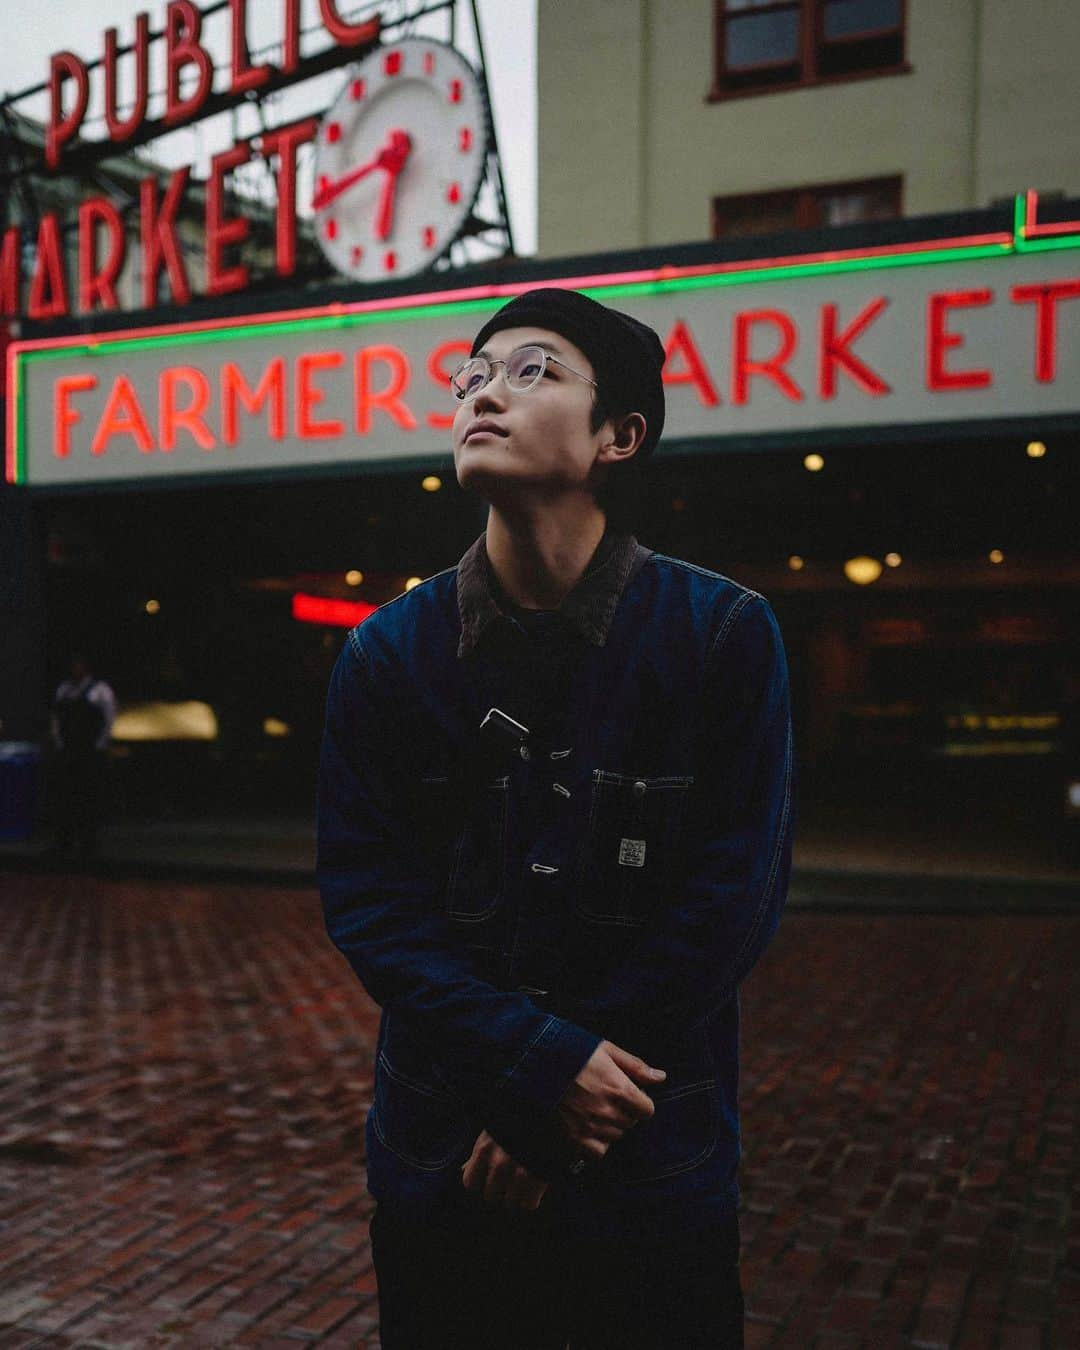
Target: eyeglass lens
[523, 368]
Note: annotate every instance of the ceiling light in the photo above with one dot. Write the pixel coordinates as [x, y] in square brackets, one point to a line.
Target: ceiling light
[862, 570]
[1036, 449]
[353, 577]
[431, 483]
[813, 462]
[795, 562]
[893, 560]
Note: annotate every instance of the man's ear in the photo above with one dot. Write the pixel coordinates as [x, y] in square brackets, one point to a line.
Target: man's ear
[622, 438]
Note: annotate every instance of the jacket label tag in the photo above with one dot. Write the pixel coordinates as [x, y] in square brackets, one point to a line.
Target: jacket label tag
[632, 853]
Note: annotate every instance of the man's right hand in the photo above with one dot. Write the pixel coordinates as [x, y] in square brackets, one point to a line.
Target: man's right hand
[604, 1100]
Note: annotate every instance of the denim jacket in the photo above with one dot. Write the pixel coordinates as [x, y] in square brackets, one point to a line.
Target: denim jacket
[613, 878]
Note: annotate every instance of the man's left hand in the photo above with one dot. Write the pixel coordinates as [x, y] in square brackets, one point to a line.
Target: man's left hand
[503, 1181]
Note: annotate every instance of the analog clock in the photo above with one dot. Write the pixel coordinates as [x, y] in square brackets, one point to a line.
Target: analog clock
[399, 160]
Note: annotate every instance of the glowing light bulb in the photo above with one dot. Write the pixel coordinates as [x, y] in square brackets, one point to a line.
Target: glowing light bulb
[996, 555]
[431, 483]
[1036, 449]
[795, 562]
[413, 581]
[353, 577]
[893, 560]
[153, 606]
[813, 462]
[862, 570]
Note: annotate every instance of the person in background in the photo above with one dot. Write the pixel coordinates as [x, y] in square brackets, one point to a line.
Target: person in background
[83, 712]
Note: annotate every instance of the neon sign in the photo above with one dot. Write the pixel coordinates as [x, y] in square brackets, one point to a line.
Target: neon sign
[925, 331]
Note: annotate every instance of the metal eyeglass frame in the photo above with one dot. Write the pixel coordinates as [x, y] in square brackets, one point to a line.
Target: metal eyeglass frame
[545, 357]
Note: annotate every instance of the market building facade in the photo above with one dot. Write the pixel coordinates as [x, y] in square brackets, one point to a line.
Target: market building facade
[875, 424]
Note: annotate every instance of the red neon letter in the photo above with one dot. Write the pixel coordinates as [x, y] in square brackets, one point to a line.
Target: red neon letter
[123, 416]
[183, 24]
[1045, 296]
[458, 350]
[681, 343]
[158, 230]
[171, 418]
[10, 272]
[64, 415]
[244, 77]
[940, 340]
[99, 283]
[388, 399]
[291, 54]
[307, 396]
[773, 367]
[64, 66]
[835, 355]
[48, 285]
[121, 129]
[271, 388]
[283, 141]
[220, 233]
[347, 34]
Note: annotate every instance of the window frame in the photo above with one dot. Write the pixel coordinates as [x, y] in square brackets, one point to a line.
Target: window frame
[811, 43]
[803, 196]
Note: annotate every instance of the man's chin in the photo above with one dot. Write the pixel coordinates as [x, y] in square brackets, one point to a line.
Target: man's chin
[490, 482]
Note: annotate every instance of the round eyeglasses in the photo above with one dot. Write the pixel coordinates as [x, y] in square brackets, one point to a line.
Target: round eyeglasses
[523, 368]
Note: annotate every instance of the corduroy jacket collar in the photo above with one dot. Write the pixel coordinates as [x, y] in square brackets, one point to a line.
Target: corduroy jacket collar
[589, 608]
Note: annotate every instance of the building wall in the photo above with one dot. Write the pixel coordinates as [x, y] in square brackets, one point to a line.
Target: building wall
[631, 152]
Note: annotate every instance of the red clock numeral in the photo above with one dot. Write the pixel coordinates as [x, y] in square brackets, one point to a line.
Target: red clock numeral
[429, 63]
[358, 90]
[390, 261]
[429, 236]
[357, 253]
[333, 132]
[455, 91]
[453, 193]
[464, 139]
[331, 228]
[392, 63]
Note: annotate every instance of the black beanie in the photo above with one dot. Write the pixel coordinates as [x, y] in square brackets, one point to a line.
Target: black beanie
[626, 355]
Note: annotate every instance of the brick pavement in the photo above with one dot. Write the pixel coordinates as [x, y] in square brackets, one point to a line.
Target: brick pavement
[185, 1069]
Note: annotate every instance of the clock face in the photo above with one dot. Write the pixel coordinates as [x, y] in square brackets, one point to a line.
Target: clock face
[399, 160]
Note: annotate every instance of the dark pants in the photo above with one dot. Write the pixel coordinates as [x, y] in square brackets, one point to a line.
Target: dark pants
[78, 786]
[478, 1278]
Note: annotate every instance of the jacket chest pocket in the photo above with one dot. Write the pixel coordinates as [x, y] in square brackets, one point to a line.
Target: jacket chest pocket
[631, 854]
[467, 849]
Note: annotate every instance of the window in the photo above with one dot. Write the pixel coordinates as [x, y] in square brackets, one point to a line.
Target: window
[782, 44]
[806, 208]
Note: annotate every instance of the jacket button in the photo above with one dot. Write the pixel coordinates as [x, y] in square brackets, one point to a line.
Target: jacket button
[525, 752]
[640, 788]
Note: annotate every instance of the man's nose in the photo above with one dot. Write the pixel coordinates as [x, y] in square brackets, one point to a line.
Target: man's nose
[493, 394]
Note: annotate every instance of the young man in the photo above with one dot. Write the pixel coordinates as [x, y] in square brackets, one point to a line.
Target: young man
[555, 811]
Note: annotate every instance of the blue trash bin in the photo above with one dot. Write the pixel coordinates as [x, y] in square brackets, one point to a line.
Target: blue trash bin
[20, 765]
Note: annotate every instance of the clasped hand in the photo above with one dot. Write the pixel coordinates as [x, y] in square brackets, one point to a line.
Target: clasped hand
[598, 1107]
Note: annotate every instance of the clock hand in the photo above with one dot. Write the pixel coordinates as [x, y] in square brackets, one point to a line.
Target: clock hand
[391, 157]
[385, 215]
[399, 148]
[331, 191]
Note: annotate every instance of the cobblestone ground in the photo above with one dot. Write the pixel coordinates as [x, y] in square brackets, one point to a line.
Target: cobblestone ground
[184, 1072]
